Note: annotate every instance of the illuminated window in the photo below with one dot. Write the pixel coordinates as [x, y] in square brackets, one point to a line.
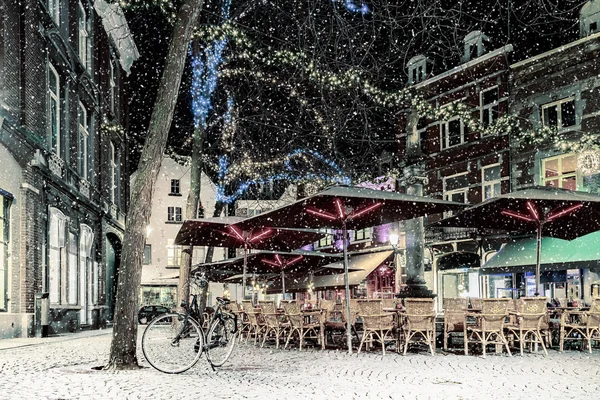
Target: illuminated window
[560, 171]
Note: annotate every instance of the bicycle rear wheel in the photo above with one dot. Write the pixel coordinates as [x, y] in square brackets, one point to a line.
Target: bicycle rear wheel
[171, 344]
[221, 341]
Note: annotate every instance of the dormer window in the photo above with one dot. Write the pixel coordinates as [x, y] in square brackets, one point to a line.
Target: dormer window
[589, 18]
[474, 45]
[417, 69]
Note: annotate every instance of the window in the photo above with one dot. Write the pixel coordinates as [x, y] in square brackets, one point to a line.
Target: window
[452, 132]
[489, 106]
[57, 261]
[86, 243]
[84, 133]
[491, 181]
[5, 201]
[175, 187]
[326, 241]
[456, 188]
[560, 171]
[474, 46]
[362, 234]
[417, 69]
[147, 260]
[115, 173]
[173, 254]
[53, 110]
[72, 289]
[54, 10]
[174, 214]
[422, 131]
[85, 48]
[112, 86]
[559, 114]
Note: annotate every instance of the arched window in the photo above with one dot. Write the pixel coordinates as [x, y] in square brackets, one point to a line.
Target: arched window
[474, 45]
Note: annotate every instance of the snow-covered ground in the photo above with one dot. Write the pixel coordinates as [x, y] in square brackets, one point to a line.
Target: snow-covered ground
[62, 368]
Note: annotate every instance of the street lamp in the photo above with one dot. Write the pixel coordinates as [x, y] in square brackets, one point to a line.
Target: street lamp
[393, 239]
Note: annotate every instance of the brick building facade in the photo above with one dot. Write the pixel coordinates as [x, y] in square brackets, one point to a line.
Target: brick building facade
[64, 185]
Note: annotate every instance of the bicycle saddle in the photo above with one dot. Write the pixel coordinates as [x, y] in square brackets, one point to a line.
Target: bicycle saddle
[223, 300]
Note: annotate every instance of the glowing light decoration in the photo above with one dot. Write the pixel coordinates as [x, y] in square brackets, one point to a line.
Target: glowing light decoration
[588, 162]
[356, 7]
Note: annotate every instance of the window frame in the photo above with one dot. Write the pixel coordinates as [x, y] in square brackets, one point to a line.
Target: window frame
[559, 177]
[174, 214]
[173, 254]
[449, 193]
[147, 255]
[362, 234]
[115, 173]
[445, 131]
[84, 42]
[491, 183]
[112, 86]
[53, 95]
[54, 10]
[5, 204]
[489, 106]
[559, 108]
[83, 142]
[175, 184]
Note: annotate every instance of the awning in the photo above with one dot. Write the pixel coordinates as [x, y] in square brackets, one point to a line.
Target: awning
[458, 259]
[519, 255]
[365, 262]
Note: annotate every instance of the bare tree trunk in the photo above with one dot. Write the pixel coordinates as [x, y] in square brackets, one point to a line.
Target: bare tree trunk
[123, 345]
[191, 211]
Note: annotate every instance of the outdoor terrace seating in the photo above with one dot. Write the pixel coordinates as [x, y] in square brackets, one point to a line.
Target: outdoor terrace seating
[419, 323]
[584, 326]
[489, 325]
[454, 317]
[306, 325]
[529, 315]
[377, 325]
[274, 323]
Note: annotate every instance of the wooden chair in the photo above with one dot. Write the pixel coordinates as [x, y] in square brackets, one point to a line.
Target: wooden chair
[257, 325]
[529, 315]
[310, 327]
[377, 325]
[388, 303]
[419, 323]
[242, 318]
[581, 325]
[454, 316]
[489, 326]
[476, 303]
[273, 323]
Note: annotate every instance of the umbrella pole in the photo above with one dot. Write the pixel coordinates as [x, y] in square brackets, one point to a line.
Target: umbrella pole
[244, 271]
[537, 259]
[283, 282]
[348, 322]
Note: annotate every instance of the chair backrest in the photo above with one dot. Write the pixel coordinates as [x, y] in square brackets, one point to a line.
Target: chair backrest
[267, 303]
[476, 303]
[291, 308]
[247, 305]
[267, 307]
[388, 303]
[595, 305]
[455, 305]
[328, 305]
[369, 307]
[419, 306]
[533, 305]
[494, 311]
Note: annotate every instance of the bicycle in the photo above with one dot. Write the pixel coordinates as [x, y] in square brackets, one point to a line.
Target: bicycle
[174, 342]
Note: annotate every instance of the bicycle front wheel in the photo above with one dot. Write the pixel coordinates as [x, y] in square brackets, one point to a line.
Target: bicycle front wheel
[220, 341]
[171, 344]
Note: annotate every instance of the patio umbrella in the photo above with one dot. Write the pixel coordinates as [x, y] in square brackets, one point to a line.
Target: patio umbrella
[278, 264]
[346, 207]
[227, 232]
[544, 210]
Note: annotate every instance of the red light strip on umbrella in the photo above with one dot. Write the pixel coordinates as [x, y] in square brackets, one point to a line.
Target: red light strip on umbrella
[271, 262]
[339, 208]
[237, 233]
[515, 214]
[320, 213]
[278, 259]
[260, 236]
[294, 260]
[364, 211]
[557, 214]
[533, 211]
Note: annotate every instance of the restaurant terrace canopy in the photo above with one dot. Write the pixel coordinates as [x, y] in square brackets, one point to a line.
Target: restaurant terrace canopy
[544, 210]
[350, 207]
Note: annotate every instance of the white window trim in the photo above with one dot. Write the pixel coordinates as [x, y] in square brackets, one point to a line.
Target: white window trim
[559, 103]
[485, 183]
[488, 106]
[448, 193]
[84, 130]
[113, 167]
[559, 157]
[112, 86]
[84, 40]
[445, 143]
[54, 10]
[54, 95]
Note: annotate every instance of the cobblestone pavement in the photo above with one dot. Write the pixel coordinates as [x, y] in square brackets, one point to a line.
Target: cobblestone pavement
[62, 368]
